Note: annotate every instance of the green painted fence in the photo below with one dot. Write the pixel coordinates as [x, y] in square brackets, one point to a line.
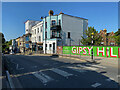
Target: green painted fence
[100, 51]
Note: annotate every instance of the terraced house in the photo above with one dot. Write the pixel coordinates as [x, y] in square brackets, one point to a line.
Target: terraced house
[52, 32]
[107, 39]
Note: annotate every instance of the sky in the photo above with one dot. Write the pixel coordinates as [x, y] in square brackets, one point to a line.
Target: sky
[100, 15]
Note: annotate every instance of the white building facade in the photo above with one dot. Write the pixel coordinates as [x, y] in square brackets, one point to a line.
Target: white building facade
[37, 33]
[53, 30]
[56, 28]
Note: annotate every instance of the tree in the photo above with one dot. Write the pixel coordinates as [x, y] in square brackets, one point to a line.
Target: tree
[88, 40]
[3, 41]
[117, 37]
[8, 43]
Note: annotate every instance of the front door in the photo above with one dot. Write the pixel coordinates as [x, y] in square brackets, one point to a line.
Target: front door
[53, 47]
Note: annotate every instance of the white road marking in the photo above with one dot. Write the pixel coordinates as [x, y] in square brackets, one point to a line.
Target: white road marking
[118, 76]
[34, 67]
[61, 72]
[42, 77]
[90, 68]
[45, 64]
[17, 67]
[77, 69]
[97, 66]
[96, 85]
[110, 79]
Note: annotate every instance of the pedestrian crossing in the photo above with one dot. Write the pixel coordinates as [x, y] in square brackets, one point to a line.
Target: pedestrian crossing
[42, 77]
[61, 72]
[66, 72]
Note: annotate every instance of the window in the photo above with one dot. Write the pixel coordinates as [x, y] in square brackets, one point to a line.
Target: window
[45, 46]
[45, 24]
[38, 30]
[59, 22]
[112, 43]
[50, 45]
[46, 34]
[39, 38]
[35, 31]
[53, 22]
[41, 28]
[35, 39]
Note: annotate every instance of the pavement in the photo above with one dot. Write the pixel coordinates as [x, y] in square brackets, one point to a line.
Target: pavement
[46, 71]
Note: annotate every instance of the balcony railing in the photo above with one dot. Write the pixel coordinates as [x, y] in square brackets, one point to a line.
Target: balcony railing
[55, 27]
[55, 36]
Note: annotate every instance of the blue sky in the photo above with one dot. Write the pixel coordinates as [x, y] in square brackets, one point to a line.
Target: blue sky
[100, 15]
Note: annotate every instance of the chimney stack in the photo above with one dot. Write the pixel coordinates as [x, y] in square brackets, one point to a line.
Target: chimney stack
[61, 13]
[105, 30]
[51, 13]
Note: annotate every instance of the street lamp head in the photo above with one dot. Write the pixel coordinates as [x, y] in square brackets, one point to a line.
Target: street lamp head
[92, 33]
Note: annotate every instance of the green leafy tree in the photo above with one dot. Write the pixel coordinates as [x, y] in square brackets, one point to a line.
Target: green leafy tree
[117, 37]
[8, 43]
[2, 44]
[88, 40]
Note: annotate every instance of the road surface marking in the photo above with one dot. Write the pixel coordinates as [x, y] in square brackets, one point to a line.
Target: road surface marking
[96, 66]
[34, 66]
[77, 69]
[96, 85]
[61, 72]
[42, 77]
[87, 67]
[45, 65]
[110, 79]
[17, 67]
[118, 76]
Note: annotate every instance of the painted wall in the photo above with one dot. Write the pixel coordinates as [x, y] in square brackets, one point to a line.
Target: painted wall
[75, 26]
[39, 32]
[48, 20]
[29, 24]
[100, 51]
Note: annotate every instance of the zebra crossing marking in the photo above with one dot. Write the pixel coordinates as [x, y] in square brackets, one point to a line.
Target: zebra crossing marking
[118, 76]
[87, 67]
[42, 77]
[96, 66]
[96, 85]
[61, 72]
[77, 69]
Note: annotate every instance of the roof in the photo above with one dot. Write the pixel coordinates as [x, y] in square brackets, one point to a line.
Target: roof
[70, 16]
[75, 16]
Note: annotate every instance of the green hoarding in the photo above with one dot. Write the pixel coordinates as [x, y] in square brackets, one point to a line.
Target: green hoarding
[100, 51]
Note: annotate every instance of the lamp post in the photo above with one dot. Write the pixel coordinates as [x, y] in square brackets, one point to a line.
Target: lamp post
[92, 48]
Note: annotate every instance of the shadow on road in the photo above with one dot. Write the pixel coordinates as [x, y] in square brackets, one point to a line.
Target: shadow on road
[21, 66]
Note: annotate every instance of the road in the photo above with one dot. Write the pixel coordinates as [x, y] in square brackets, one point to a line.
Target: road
[54, 72]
